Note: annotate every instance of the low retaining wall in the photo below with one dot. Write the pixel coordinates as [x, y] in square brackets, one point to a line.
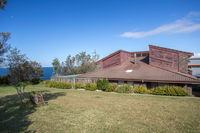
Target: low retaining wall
[75, 80]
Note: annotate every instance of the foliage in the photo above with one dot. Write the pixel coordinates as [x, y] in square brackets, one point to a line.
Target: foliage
[170, 91]
[102, 84]
[126, 88]
[61, 85]
[79, 85]
[69, 65]
[141, 89]
[80, 63]
[56, 66]
[4, 80]
[36, 81]
[4, 46]
[3, 3]
[20, 87]
[112, 87]
[91, 86]
[21, 69]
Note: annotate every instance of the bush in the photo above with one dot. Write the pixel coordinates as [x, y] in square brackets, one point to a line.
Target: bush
[55, 84]
[169, 91]
[36, 81]
[79, 85]
[126, 88]
[4, 80]
[140, 89]
[112, 87]
[91, 86]
[102, 84]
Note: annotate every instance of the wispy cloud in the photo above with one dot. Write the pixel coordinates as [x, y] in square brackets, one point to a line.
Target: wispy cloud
[187, 24]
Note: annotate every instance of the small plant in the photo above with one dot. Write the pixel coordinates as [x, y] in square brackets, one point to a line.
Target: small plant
[141, 89]
[126, 88]
[79, 85]
[102, 84]
[20, 87]
[170, 91]
[91, 86]
[112, 87]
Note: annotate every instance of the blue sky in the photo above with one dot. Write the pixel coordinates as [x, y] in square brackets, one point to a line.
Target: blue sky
[45, 29]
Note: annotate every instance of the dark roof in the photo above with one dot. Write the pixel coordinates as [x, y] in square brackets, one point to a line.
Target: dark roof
[141, 72]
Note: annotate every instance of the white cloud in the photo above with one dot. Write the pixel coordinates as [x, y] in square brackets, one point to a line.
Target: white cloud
[188, 24]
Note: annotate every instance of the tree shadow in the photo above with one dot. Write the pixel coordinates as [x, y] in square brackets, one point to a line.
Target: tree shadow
[14, 115]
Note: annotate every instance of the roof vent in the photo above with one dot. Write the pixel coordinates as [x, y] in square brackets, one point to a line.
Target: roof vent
[129, 70]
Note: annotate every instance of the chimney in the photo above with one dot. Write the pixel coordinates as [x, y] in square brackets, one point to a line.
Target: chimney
[135, 58]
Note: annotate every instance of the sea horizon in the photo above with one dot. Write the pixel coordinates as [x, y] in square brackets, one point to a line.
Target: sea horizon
[47, 72]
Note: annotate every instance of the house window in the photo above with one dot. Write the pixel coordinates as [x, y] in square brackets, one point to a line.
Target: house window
[120, 82]
[130, 83]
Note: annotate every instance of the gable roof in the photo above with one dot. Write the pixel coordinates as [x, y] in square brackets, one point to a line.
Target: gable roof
[141, 72]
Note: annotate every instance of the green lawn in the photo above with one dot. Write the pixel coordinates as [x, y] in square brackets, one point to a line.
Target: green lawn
[78, 111]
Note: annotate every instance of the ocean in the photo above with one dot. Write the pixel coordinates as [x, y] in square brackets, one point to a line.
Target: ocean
[47, 72]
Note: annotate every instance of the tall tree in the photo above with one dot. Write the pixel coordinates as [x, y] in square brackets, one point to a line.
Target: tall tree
[69, 65]
[80, 63]
[4, 46]
[56, 66]
[21, 69]
[3, 3]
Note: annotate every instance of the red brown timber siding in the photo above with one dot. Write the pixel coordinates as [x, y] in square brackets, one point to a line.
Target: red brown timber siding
[115, 59]
[169, 59]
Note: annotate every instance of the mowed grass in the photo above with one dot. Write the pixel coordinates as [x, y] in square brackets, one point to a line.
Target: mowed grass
[75, 111]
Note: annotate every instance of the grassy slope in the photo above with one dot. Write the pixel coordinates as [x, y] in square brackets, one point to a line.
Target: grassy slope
[87, 111]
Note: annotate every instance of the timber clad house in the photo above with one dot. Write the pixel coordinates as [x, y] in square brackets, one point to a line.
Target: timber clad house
[157, 67]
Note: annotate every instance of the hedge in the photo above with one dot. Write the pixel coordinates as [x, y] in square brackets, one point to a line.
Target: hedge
[91, 86]
[169, 91]
[141, 89]
[55, 84]
[126, 88]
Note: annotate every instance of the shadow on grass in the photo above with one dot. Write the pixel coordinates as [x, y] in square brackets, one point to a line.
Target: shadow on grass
[196, 93]
[14, 115]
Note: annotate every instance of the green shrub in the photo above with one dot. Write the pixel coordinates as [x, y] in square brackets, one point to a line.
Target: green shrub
[126, 88]
[112, 87]
[141, 89]
[79, 85]
[169, 91]
[91, 86]
[61, 85]
[36, 81]
[102, 84]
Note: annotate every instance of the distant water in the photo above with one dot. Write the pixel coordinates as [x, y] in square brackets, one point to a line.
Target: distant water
[47, 72]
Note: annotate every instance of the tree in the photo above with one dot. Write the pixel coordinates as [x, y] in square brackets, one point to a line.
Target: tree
[80, 63]
[4, 46]
[56, 66]
[69, 65]
[3, 3]
[22, 71]
[86, 62]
